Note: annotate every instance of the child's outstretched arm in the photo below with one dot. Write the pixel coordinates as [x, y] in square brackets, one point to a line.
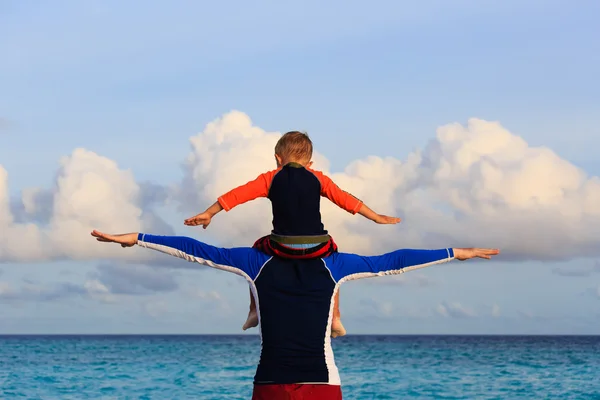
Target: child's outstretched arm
[205, 217]
[241, 194]
[366, 212]
[350, 203]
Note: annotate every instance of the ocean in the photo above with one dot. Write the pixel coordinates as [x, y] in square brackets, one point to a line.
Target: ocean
[371, 367]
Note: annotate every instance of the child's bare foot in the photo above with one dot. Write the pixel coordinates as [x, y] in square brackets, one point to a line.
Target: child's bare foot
[468, 253]
[125, 240]
[337, 329]
[251, 321]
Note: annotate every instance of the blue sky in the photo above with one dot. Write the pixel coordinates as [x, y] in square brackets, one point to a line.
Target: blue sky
[133, 82]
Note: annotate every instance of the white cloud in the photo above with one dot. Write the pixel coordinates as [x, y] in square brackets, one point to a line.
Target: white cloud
[31, 291]
[387, 308]
[90, 192]
[5, 215]
[381, 309]
[473, 185]
[526, 314]
[496, 311]
[454, 310]
[155, 309]
[6, 289]
[413, 279]
[210, 295]
[110, 283]
[578, 272]
[229, 152]
[441, 310]
[98, 291]
[371, 307]
[134, 279]
[211, 298]
[4, 125]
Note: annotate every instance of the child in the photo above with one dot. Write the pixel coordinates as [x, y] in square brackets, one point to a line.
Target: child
[295, 191]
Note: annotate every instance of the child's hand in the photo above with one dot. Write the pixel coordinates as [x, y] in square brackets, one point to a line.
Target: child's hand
[200, 219]
[384, 219]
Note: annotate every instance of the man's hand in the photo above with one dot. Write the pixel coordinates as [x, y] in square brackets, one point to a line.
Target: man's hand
[200, 219]
[384, 219]
[468, 253]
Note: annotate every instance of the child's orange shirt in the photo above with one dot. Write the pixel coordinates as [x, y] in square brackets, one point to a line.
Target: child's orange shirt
[295, 192]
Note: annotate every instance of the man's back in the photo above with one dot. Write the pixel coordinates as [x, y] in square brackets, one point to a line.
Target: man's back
[295, 300]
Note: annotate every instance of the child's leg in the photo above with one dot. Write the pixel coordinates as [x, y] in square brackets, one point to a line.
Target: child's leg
[336, 305]
[261, 244]
[252, 319]
[337, 329]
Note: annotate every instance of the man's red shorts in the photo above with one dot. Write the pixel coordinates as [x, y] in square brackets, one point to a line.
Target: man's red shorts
[296, 391]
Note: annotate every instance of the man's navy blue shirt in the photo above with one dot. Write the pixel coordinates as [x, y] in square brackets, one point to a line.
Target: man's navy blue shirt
[294, 299]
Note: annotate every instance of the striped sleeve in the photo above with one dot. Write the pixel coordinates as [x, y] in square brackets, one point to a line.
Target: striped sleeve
[345, 267]
[336, 195]
[247, 192]
[243, 261]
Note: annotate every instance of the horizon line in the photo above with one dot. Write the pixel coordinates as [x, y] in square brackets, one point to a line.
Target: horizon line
[348, 335]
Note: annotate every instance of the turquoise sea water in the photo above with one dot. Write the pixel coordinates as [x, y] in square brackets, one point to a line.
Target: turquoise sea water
[371, 367]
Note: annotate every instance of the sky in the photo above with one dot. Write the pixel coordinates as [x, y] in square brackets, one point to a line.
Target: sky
[475, 121]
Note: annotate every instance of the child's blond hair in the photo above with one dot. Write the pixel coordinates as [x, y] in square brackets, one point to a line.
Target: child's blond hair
[294, 146]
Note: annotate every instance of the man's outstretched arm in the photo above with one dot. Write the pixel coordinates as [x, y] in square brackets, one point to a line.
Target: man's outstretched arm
[346, 267]
[242, 260]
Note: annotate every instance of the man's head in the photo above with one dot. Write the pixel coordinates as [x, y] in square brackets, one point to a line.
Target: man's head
[295, 147]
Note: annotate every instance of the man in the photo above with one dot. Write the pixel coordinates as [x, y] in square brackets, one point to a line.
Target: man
[294, 300]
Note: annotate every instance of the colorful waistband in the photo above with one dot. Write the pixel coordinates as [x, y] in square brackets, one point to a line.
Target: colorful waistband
[310, 240]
